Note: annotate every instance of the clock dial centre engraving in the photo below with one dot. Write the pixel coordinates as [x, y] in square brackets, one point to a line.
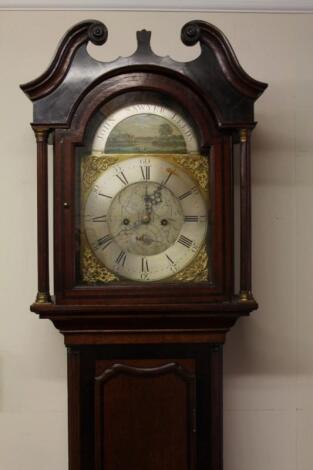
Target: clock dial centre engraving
[155, 222]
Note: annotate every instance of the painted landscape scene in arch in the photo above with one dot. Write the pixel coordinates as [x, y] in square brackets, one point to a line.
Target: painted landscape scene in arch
[145, 133]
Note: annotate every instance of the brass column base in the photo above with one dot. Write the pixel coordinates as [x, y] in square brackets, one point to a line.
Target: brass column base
[246, 296]
[43, 298]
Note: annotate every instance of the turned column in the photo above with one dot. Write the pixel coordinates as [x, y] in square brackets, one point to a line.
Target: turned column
[245, 215]
[43, 295]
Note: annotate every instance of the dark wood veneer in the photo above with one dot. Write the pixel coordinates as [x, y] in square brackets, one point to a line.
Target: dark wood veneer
[145, 401]
[132, 345]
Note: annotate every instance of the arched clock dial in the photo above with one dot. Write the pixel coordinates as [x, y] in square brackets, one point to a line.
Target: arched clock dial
[145, 218]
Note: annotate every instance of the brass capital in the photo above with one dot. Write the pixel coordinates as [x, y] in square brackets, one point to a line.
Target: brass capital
[41, 133]
[243, 135]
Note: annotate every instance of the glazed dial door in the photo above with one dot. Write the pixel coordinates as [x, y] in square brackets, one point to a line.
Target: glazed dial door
[144, 201]
[145, 219]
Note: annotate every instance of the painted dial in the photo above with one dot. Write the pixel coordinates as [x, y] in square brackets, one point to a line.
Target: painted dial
[145, 218]
[145, 117]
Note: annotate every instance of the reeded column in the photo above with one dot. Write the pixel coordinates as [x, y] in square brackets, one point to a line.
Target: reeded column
[43, 295]
[245, 216]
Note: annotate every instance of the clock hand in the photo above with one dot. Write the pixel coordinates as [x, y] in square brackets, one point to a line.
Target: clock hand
[156, 196]
[131, 227]
[164, 217]
[147, 201]
[127, 228]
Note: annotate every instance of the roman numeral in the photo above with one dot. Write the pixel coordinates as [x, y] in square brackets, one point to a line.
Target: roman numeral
[172, 264]
[191, 218]
[187, 193]
[144, 265]
[184, 241]
[100, 218]
[145, 171]
[144, 269]
[170, 259]
[121, 176]
[121, 258]
[105, 241]
[98, 192]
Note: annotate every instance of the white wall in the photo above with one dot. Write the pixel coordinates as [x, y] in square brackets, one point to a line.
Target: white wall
[163, 5]
[268, 357]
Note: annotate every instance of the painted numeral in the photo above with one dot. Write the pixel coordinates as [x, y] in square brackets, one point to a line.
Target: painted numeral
[121, 258]
[104, 242]
[172, 263]
[187, 193]
[184, 241]
[170, 259]
[144, 269]
[121, 176]
[191, 218]
[100, 218]
[97, 190]
[145, 172]
[144, 265]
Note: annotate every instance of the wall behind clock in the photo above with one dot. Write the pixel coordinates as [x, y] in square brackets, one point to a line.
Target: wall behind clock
[269, 357]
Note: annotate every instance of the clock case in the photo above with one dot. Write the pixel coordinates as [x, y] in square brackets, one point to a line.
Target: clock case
[145, 360]
[219, 97]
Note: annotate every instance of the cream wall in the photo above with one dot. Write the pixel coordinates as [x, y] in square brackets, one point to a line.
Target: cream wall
[268, 395]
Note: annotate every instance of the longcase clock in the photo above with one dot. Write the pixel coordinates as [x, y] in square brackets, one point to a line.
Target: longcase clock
[146, 152]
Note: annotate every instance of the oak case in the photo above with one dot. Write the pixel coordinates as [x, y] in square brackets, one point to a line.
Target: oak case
[145, 358]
